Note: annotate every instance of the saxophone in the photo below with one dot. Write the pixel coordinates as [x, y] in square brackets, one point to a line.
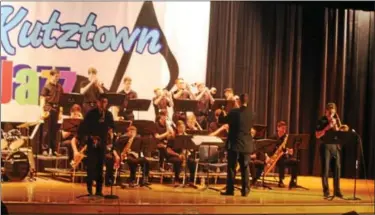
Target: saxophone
[127, 150]
[275, 157]
[77, 160]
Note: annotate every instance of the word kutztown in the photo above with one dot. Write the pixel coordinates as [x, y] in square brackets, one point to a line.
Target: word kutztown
[101, 39]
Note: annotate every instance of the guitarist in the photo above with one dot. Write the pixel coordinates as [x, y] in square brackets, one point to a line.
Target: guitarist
[326, 124]
[286, 159]
[123, 152]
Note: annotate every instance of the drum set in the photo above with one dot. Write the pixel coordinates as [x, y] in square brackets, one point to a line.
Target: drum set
[17, 159]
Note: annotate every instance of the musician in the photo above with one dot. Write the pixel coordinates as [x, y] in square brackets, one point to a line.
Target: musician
[326, 124]
[122, 113]
[229, 96]
[93, 131]
[177, 156]
[183, 92]
[67, 136]
[91, 90]
[204, 98]
[215, 129]
[192, 123]
[163, 133]
[286, 159]
[133, 159]
[49, 103]
[239, 144]
[161, 102]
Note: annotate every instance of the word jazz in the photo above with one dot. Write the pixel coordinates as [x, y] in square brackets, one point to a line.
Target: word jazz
[23, 84]
[73, 35]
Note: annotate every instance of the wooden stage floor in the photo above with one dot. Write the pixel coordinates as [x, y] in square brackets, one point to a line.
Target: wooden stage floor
[48, 196]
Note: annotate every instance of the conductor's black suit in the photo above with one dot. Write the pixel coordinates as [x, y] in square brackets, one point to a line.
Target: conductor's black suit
[239, 145]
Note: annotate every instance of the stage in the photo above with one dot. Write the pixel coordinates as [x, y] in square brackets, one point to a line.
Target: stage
[49, 196]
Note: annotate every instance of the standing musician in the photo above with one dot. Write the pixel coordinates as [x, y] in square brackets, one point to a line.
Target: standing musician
[285, 160]
[163, 133]
[91, 90]
[122, 113]
[49, 103]
[93, 132]
[67, 136]
[161, 102]
[239, 144]
[177, 156]
[183, 92]
[124, 153]
[326, 124]
[229, 96]
[204, 98]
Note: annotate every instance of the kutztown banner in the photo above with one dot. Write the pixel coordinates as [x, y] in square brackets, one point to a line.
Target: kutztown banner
[153, 43]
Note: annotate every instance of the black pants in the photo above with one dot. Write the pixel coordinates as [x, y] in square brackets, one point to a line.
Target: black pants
[95, 161]
[177, 164]
[328, 152]
[243, 160]
[285, 162]
[256, 169]
[50, 129]
[162, 154]
[109, 169]
[133, 163]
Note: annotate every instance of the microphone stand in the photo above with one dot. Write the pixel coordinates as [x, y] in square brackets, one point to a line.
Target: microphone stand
[356, 167]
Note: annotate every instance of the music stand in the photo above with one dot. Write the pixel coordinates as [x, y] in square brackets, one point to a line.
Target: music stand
[138, 105]
[264, 146]
[184, 142]
[298, 142]
[261, 131]
[185, 105]
[121, 126]
[67, 100]
[223, 104]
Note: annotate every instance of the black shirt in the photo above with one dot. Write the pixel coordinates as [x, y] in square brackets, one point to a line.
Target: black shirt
[52, 92]
[161, 106]
[122, 141]
[161, 129]
[95, 124]
[280, 140]
[322, 123]
[92, 94]
[128, 96]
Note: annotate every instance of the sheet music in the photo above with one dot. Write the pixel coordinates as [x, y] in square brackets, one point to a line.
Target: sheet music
[199, 139]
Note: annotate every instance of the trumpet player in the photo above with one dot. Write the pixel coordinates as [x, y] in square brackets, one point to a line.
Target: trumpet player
[123, 152]
[93, 132]
[161, 102]
[163, 133]
[183, 92]
[286, 160]
[204, 98]
[49, 103]
[91, 90]
[122, 112]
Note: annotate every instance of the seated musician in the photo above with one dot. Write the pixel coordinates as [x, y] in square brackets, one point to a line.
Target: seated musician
[215, 129]
[257, 162]
[177, 156]
[286, 159]
[163, 133]
[67, 136]
[123, 152]
[192, 123]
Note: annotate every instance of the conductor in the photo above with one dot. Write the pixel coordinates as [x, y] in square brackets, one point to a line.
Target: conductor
[239, 144]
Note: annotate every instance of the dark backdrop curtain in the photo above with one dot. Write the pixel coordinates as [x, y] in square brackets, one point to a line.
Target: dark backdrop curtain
[292, 60]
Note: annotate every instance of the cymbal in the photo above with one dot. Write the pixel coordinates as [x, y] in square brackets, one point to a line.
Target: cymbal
[27, 124]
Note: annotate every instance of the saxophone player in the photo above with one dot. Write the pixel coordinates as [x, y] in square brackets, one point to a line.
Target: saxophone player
[93, 132]
[285, 160]
[329, 122]
[124, 153]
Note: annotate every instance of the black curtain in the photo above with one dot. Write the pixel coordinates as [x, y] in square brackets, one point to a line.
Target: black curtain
[292, 60]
